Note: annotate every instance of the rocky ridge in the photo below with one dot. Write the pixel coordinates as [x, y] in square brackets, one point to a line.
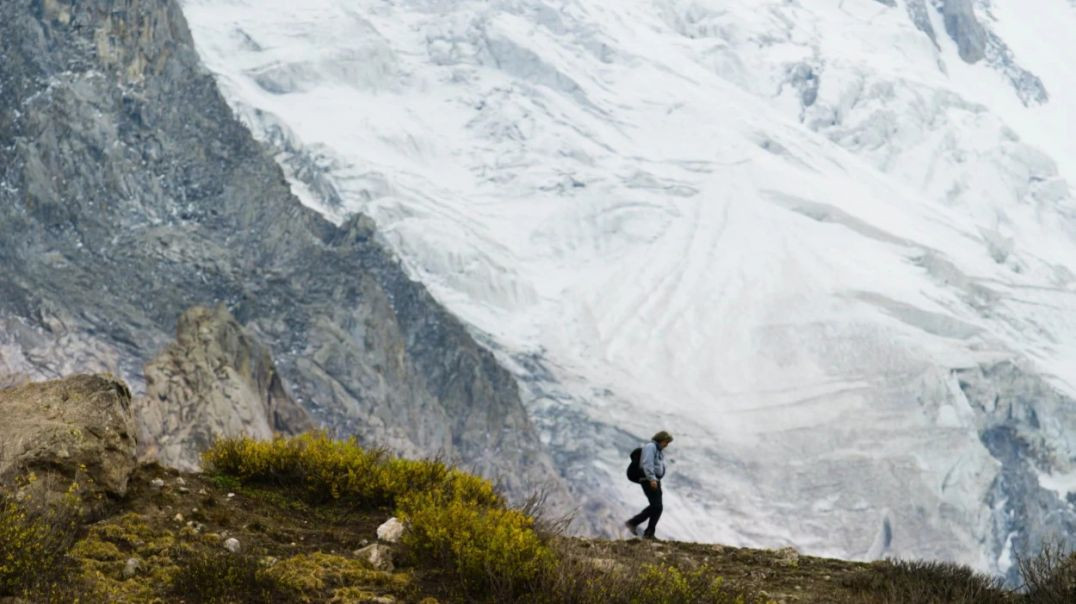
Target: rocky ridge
[215, 380]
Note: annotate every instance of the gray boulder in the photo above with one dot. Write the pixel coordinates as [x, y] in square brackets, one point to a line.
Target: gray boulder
[76, 430]
[377, 555]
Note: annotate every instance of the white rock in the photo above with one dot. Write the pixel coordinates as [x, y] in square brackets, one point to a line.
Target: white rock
[391, 530]
[131, 568]
[178, 517]
[181, 482]
[378, 555]
[157, 483]
[232, 544]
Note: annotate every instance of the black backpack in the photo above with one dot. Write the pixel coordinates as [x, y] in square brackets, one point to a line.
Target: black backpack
[635, 472]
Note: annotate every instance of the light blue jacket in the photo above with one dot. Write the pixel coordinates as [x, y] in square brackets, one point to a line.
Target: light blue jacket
[652, 461]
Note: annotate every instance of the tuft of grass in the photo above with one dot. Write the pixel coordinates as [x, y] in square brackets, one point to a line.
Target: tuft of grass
[927, 582]
[578, 580]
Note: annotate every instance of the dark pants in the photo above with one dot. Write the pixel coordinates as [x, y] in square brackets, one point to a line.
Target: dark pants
[652, 511]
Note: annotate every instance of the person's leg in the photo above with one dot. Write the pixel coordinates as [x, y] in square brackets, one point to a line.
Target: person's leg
[643, 515]
[655, 508]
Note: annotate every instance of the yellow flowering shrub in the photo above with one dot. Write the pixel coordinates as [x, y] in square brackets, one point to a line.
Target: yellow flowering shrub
[34, 539]
[456, 520]
[324, 468]
[488, 549]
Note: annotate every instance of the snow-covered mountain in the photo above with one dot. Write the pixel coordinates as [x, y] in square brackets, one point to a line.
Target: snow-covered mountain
[829, 244]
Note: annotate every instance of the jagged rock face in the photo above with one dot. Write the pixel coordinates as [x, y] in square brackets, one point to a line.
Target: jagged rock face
[129, 193]
[78, 429]
[215, 380]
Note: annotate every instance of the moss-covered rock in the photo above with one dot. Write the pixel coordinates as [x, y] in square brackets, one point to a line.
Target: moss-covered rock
[76, 431]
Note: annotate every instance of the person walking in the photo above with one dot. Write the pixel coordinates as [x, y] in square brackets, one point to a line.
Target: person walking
[652, 464]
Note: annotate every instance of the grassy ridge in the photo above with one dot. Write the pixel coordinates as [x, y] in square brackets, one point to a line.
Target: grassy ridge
[301, 507]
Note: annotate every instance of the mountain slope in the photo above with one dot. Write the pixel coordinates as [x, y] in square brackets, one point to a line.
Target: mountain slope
[129, 193]
[829, 245]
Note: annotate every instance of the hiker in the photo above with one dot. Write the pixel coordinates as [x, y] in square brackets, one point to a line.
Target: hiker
[652, 469]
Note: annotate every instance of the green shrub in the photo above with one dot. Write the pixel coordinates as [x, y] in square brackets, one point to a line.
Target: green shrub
[924, 582]
[34, 539]
[324, 469]
[664, 584]
[312, 577]
[488, 550]
[218, 576]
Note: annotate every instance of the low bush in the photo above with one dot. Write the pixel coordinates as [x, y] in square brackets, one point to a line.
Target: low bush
[35, 536]
[581, 581]
[488, 550]
[323, 469]
[927, 582]
[311, 576]
[218, 576]
[666, 584]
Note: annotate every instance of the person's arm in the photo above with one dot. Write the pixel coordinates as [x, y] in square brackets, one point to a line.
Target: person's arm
[648, 462]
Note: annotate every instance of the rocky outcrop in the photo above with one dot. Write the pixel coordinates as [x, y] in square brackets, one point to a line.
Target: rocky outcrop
[215, 380]
[130, 193]
[76, 430]
[976, 42]
[964, 29]
[1023, 422]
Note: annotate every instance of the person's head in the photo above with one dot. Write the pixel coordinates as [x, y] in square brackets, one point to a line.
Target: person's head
[663, 439]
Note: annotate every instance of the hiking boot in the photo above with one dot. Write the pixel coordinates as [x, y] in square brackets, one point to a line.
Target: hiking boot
[632, 528]
[650, 537]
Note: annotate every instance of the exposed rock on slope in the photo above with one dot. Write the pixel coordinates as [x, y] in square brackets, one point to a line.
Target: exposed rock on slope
[79, 429]
[129, 193]
[215, 380]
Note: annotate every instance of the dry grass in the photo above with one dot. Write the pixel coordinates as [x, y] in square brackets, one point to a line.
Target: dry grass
[900, 581]
[1049, 577]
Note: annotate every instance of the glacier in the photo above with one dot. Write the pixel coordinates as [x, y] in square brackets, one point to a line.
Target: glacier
[828, 244]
